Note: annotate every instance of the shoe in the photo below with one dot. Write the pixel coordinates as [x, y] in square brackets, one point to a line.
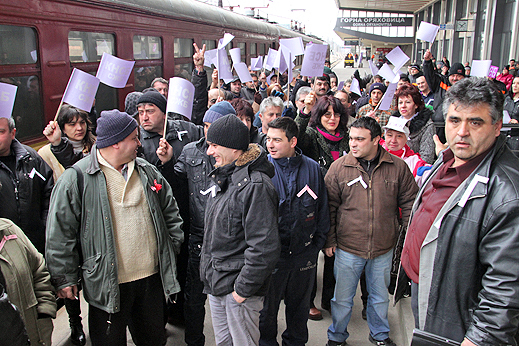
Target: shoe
[77, 335]
[387, 342]
[335, 343]
[315, 314]
[364, 313]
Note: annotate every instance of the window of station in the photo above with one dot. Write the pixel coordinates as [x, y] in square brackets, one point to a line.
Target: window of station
[89, 46]
[183, 70]
[147, 47]
[183, 48]
[143, 76]
[261, 49]
[243, 48]
[17, 45]
[209, 44]
[252, 49]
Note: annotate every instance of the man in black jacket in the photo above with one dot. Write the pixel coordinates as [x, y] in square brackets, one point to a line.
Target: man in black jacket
[461, 245]
[25, 185]
[152, 115]
[193, 167]
[241, 242]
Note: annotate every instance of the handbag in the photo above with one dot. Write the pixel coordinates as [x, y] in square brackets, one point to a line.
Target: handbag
[421, 338]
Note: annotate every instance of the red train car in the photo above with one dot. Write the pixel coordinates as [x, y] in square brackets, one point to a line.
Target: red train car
[41, 41]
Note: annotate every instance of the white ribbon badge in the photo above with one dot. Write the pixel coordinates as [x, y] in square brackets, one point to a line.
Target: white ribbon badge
[477, 179]
[307, 189]
[180, 133]
[212, 189]
[360, 180]
[33, 172]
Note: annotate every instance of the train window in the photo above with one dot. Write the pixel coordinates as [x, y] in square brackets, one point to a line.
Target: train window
[261, 49]
[27, 111]
[209, 44]
[89, 46]
[147, 47]
[18, 45]
[243, 48]
[183, 48]
[183, 71]
[145, 75]
[252, 49]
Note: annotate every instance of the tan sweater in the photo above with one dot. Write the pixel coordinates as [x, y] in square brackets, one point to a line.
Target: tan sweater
[134, 233]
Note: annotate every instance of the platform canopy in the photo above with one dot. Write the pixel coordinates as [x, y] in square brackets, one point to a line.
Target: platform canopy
[403, 6]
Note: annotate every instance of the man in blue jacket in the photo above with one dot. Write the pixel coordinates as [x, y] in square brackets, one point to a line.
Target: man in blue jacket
[304, 221]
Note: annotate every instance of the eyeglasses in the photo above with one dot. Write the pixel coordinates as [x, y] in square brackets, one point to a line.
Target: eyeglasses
[212, 101]
[328, 115]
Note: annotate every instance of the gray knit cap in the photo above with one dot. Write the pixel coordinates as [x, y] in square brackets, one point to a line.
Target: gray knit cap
[217, 111]
[113, 126]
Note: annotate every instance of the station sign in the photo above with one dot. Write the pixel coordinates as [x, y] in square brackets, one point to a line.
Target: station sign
[364, 22]
[351, 42]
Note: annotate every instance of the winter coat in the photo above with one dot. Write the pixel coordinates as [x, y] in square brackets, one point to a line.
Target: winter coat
[512, 107]
[87, 220]
[439, 84]
[421, 132]
[383, 116]
[47, 155]
[315, 145]
[469, 280]
[199, 80]
[304, 221]
[241, 241]
[507, 79]
[365, 219]
[25, 194]
[27, 282]
[194, 166]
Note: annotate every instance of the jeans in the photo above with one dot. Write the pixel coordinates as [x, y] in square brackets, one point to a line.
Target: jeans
[294, 286]
[347, 270]
[236, 324]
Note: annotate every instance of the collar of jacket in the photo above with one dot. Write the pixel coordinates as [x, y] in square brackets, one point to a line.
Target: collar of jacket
[483, 169]
[352, 161]
[171, 131]
[289, 162]
[93, 165]
[19, 151]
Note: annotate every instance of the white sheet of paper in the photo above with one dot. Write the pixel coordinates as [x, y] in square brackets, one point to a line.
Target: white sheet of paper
[480, 68]
[256, 63]
[427, 32]
[235, 55]
[243, 72]
[386, 72]
[180, 96]
[397, 57]
[385, 103]
[373, 68]
[355, 87]
[313, 60]
[295, 45]
[210, 57]
[225, 40]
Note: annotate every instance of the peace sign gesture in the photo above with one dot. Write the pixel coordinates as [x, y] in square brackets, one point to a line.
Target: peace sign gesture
[198, 57]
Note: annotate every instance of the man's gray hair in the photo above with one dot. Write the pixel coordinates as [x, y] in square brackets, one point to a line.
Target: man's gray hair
[10, 124]
[269, 102]
[159, 79]
[303, 91]
[473, 92]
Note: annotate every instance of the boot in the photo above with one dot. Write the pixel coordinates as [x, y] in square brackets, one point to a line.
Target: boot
[77, 335]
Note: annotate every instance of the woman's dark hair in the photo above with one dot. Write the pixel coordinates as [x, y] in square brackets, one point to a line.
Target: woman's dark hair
[243, 107]
[321, 107]
[408, 89]
[404, 77]
[67, 114]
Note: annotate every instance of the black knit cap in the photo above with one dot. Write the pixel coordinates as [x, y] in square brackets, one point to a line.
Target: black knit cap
[154, 97]
[457, 68]
[229, 132]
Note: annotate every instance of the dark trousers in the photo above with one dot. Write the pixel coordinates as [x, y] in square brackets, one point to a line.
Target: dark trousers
[294, 286]
[363, 288]
[176, 308]
[328, 284]
[73, 307]
[141, 302]
[194, 303]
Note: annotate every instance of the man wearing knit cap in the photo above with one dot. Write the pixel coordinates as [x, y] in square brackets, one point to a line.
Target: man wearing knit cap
[241, 242]
[192, 167]
[152, 115]
[113, 215]
[376, 91]
[439, 84]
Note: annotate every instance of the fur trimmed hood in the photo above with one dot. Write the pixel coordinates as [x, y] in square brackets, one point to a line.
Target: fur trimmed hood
[419, 121]
[256, 159]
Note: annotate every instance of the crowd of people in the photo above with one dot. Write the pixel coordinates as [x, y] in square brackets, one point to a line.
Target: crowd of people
[150, 213]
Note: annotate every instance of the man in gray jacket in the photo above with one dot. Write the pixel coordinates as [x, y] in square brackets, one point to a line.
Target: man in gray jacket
[241, 242]
[114, 216]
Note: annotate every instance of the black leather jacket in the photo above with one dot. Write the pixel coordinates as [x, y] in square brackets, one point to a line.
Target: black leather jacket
[194, 166]
[474, 291]
[24, 195]
[241, 241]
